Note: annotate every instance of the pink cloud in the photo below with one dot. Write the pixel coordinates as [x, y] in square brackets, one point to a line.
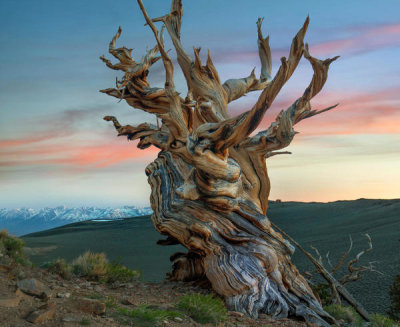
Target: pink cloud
[92, 155]
[367, 39]
[362, 39]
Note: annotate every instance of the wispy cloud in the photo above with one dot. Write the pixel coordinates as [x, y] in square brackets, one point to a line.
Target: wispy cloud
[51, 127]
[360, 40]
[62, 140]
[358, 112]
[363, 39]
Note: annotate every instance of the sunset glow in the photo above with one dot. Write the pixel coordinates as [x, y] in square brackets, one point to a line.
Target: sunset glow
[56, 149]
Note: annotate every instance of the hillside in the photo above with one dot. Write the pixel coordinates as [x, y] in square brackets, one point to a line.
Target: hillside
[324, 225]
[22, 221]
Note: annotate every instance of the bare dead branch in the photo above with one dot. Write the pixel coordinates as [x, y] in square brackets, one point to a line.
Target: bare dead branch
[344, 256]
[233, 131]
[236, 88]
[280, 133]
[328, 277]
[274, 153]
[328, 259]
[148, 134]
[175, 119]
[355, 272]
[318, 254]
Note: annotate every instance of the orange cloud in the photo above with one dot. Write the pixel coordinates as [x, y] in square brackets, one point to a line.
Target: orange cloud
[358, 113]
[74, 155]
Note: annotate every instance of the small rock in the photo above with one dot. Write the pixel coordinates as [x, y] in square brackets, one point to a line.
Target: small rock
[128, 301]
[9, 301]
[266, 317]
[33, 287]
[91, 306]
[69, 319]
[236, 314]
[44, 313]
[98, 288]
[178, 319]
[19, 273]
[5, 268]
[63, 295]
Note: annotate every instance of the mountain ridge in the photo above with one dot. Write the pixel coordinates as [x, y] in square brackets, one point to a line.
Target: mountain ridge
[22, 221]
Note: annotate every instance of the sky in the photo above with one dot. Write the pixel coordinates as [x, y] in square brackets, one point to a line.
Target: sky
[55, 149]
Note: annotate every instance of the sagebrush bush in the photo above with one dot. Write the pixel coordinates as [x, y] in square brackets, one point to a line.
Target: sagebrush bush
[203, 308]
[119, 273]
[91, 265]
[60, 267]
[13, 247]
[378, 320]
[96, 266]
[348, 314]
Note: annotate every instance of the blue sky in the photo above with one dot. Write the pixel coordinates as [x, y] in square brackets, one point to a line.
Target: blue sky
[56, 149]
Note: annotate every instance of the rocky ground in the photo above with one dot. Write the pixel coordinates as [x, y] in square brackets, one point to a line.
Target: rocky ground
[30, 296]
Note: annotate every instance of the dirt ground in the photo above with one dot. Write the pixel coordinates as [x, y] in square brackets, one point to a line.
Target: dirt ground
[79, 302]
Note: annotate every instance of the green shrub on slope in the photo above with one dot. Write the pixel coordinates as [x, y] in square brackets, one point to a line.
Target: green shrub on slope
[12, 247]
[348, 314]
[378, 320]
[146, 316]
[203, 308]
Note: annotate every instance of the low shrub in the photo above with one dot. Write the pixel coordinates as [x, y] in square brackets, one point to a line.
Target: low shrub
[146, 316]
[348, 314]
[96, 266]
[323, 291]
[13, 247]
[203, 308]
[60, 267]
[110, 302]
[119, 273]
[91, 265]
[378, 320]
[84, 322]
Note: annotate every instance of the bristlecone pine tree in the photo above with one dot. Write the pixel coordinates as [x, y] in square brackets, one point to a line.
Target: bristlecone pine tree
[210, 184]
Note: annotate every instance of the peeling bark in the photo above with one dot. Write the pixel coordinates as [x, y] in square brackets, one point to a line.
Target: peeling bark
[210, 184]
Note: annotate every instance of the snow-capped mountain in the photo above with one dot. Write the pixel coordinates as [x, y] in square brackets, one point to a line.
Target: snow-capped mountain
[26, 220]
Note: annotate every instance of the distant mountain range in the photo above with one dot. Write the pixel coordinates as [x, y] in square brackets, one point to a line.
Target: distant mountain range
[26, 220]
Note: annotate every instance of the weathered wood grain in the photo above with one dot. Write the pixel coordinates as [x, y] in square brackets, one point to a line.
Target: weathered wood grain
[210, 184]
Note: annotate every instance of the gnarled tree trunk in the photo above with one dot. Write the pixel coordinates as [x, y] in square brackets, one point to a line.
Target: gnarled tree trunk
[210, 183]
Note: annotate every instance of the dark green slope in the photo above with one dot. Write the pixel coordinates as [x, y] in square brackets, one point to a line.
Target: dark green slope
[328, 226]
[324, 225]
[132, 239]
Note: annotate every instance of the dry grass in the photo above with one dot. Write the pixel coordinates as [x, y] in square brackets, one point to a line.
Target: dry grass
[92, 265]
